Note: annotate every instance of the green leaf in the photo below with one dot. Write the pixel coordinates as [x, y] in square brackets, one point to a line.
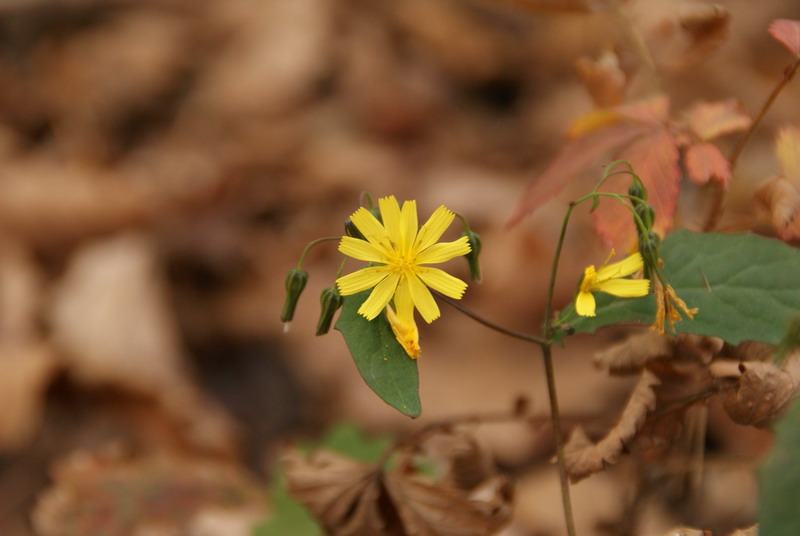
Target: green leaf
[288, 516]
[780, 480]
[746, 287]
[380, 359]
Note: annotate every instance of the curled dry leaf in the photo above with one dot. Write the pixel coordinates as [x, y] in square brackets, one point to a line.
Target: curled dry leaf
[603, 78]
[707, 26]
[350, 498]
[585, 458]
[631, 355]
[686, 531]
[787, 33]
[763, 392]
[749, 531]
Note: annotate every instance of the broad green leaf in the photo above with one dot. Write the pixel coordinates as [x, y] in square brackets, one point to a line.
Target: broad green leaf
[780, 480]
[288, 516]
[746, 288]
[380, 359]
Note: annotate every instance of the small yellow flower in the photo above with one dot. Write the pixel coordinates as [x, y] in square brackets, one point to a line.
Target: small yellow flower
[608, 279]
[398, 253]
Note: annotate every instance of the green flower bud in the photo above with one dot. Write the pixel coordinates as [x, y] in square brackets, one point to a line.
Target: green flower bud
[296, 280]
[647, 214]
[473, 257]
[649, 245]
[330, 300]
[637, 190]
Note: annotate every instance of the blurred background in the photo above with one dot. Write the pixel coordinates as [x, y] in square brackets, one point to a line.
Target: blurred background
[164, 162]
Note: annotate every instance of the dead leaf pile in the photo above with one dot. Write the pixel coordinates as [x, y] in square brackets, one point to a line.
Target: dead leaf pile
[350, 498]
[677, 373]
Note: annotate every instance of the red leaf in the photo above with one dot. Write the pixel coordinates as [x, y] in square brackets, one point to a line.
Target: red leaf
[573, 159]
[705, 162]
[709, 120]
[654, 158]
[787, 33]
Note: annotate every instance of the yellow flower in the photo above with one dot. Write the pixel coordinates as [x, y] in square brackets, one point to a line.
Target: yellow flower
[398, 253]
[405, 330]
[608, 279]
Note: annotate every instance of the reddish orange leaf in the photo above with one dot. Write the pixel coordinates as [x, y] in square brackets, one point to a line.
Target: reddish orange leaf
[705, 162]
[572, 160]
[709, 120]
[654, 158]
[787, 33]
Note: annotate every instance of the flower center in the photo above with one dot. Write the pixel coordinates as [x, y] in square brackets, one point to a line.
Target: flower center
[589, 279]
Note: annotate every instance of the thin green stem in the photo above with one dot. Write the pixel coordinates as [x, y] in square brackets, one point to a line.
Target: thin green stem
[555, 416]
[311, 245]
[491, 325]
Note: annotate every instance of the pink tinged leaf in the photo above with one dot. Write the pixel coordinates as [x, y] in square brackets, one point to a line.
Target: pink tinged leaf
[709, 120]
[705, 162]
[787, 33]
[651, 111]
[574, 158]
[654, 158]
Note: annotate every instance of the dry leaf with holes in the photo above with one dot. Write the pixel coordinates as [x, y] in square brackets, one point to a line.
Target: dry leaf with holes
[762, 394]
[781, 194]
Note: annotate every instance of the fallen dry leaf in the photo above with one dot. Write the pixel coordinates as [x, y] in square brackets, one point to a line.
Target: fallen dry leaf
[585, 458]
[781, 195]
[709, 120]
[603, 78]
[632, 354]
[350, 498]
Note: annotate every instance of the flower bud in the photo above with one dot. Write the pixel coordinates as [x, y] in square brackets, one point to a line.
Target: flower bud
[331, 301]
[473, 257]
[637, 190]
[649, 245]
[647, 214]
[296, 280]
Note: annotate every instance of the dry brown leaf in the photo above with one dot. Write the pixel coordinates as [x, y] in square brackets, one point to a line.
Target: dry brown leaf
[466, 464]
[603, 78]
[585, 458]
[686, 531]
[708, 26]
[782, 199]
[342, 494]
[112, 322]
[350, 498]
[109, 492]
[749, 531]
[763, 392]
[427, 509]
[633, 353]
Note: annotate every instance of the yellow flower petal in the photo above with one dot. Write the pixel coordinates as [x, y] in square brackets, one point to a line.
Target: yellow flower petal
[631, 264]
[625, 288]
[433, 229]
[444, 251]
[405, 332]
[362, 250]
[408, 227]
[403, 303]
[390, 213]
[361, 280]
[379, 296]
[423, 299]
[585, 304]
[372, 229]
[442, 281]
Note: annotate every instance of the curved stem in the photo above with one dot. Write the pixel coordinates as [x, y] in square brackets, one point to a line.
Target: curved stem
[719, 197]
[491, 325]
[311, 245]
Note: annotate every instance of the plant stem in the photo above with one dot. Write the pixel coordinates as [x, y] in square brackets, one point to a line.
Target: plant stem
[491, 325]
[719, 197]
[311, 245]
[555, 417]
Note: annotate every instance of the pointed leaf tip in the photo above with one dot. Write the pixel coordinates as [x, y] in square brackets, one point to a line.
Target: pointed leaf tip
[787, 33]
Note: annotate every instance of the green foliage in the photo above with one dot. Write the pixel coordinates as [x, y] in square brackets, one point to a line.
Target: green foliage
[380, 359]
[745, 286]
[780, 480]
